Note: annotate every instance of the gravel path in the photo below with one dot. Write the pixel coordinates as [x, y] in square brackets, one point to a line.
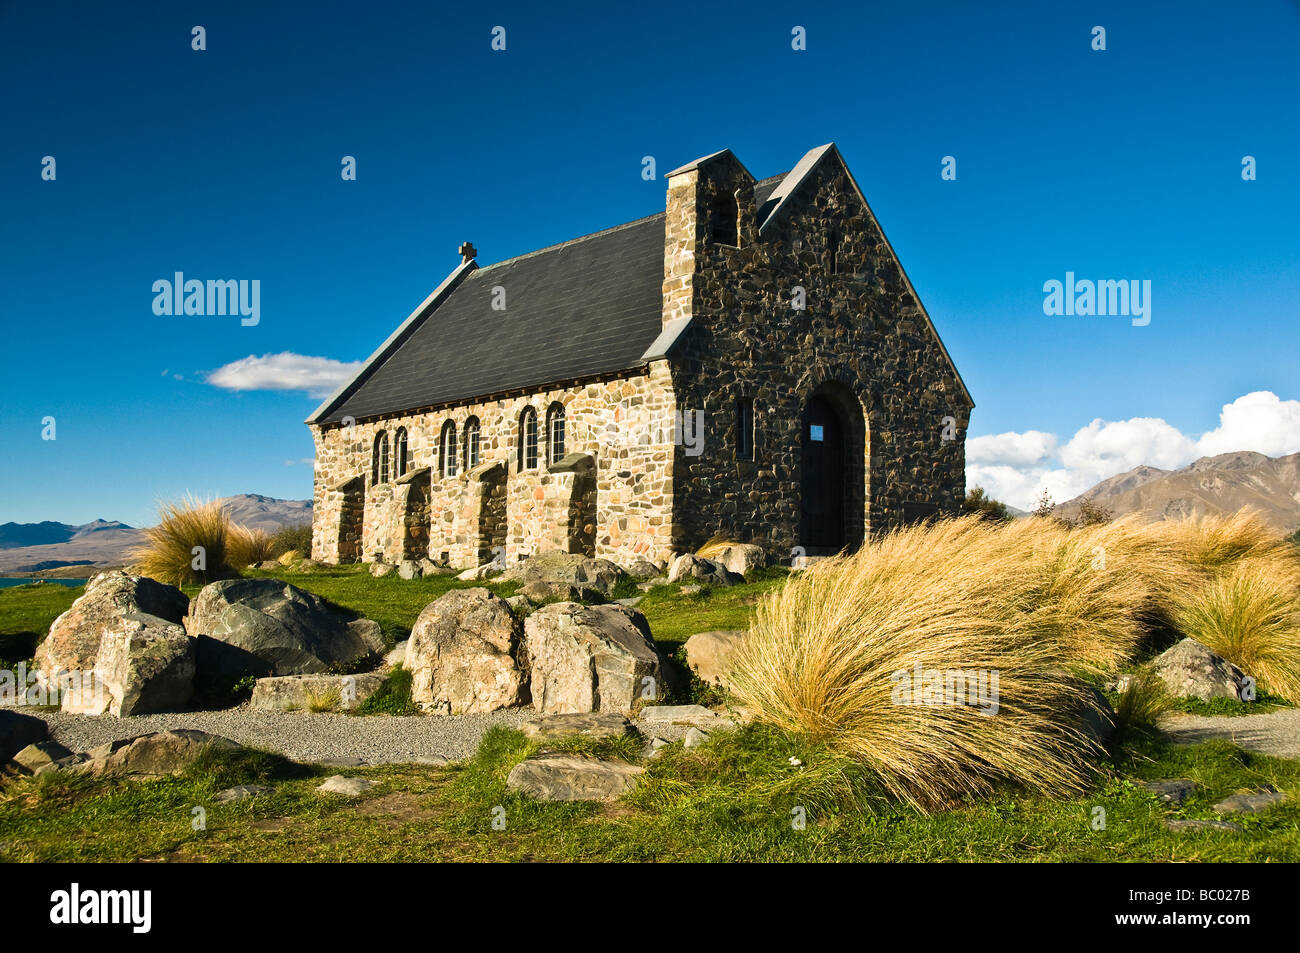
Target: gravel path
[302, 735]
[1276, 733]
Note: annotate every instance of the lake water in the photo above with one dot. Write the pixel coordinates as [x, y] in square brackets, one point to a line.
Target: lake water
[72, 583]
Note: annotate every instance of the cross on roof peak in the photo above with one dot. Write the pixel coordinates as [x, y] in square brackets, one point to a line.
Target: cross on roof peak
[467, 251]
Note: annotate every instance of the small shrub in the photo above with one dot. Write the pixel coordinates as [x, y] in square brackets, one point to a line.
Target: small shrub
[188, 546]
[978, 503]
[291, 538]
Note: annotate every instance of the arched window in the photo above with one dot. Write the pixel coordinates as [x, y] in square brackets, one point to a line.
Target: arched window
[528, 439]
[400, 458]
[724, 216]
[471, 443]
[555, 433]
[379, 469]
[447, 450]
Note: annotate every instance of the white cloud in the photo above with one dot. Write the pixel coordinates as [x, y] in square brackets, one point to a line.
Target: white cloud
[1017, 467]
[318, 376]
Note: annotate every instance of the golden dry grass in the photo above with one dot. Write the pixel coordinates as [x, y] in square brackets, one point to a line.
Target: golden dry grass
[1036, 601]
[187, 546]
[247, 547]
[716, 546]
[1250, 614]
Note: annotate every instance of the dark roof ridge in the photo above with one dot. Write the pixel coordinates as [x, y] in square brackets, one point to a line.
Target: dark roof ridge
[571, 241]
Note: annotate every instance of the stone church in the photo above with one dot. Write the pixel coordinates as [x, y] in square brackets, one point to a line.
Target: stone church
[752, 363]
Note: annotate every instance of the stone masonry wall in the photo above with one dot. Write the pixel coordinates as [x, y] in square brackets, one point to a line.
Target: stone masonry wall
[861, 341]
[624, 424]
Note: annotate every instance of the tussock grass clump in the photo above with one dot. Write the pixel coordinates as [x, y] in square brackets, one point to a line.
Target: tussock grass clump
[248, 547]
[1251, 616]
[840, 653]
[168, 553]
[1035, 601]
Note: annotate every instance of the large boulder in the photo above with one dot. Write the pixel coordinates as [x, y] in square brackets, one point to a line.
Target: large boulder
[120, 649]
[709, 655]
[708, 571]
[267, 627]
[17, 731]
[568, 568]
[154, 755]
[1191, 670]
[541, 592]
[591, 658]
[465, 655]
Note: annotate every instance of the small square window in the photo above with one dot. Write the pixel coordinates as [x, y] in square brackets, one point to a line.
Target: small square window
[816, 433]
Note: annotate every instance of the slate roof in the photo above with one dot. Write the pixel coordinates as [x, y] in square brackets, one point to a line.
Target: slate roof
[582, 308]
[586, 307]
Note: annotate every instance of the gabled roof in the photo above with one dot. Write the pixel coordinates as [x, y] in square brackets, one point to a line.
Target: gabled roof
[778, 202]
[584, 308]
[579, 309]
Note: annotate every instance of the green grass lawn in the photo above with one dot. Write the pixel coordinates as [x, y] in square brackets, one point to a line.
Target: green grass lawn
[25, 616]
[734, 799]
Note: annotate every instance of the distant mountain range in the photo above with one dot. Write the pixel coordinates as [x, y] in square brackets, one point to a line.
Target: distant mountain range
[33, 547]
[1218, 484]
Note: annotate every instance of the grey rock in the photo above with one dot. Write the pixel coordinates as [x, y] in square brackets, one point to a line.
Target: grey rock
[656, 747]
[120, 649]
[542, 592]
[1190, 670]
[630, 603]
[710, 572]
[479, 572]
[240, 792]
[17, 731]
[593, 724]
[642, 568]
[268, 627]
[742, 558]
[1250, 803]
[409, 569]
[397, 655]
[696, 715]
[1170, 792]
[348, 787]
[38, 755]
[287, 692]
[156, 754]
[709, 654]
[694, 738]
[429, 568]
[379, 569]
[1178, 824]
[652, 583]
[561, 777]
[519, 605]
[465, 655]
[591, 658]
[567, 568]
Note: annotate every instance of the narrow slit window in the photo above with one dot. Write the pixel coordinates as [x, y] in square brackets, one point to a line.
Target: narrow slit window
[745, 428]
[447, 449]
[471, 443]
[528, 439]
[399, 453]
[379, 472]
[555, 434]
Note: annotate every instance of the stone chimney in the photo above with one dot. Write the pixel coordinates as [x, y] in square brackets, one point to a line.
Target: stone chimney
[698, 193]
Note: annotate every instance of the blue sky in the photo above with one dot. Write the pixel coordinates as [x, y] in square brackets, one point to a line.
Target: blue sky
[1116, 164]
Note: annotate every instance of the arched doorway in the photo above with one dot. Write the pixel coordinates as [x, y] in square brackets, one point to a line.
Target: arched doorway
[833, 471]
